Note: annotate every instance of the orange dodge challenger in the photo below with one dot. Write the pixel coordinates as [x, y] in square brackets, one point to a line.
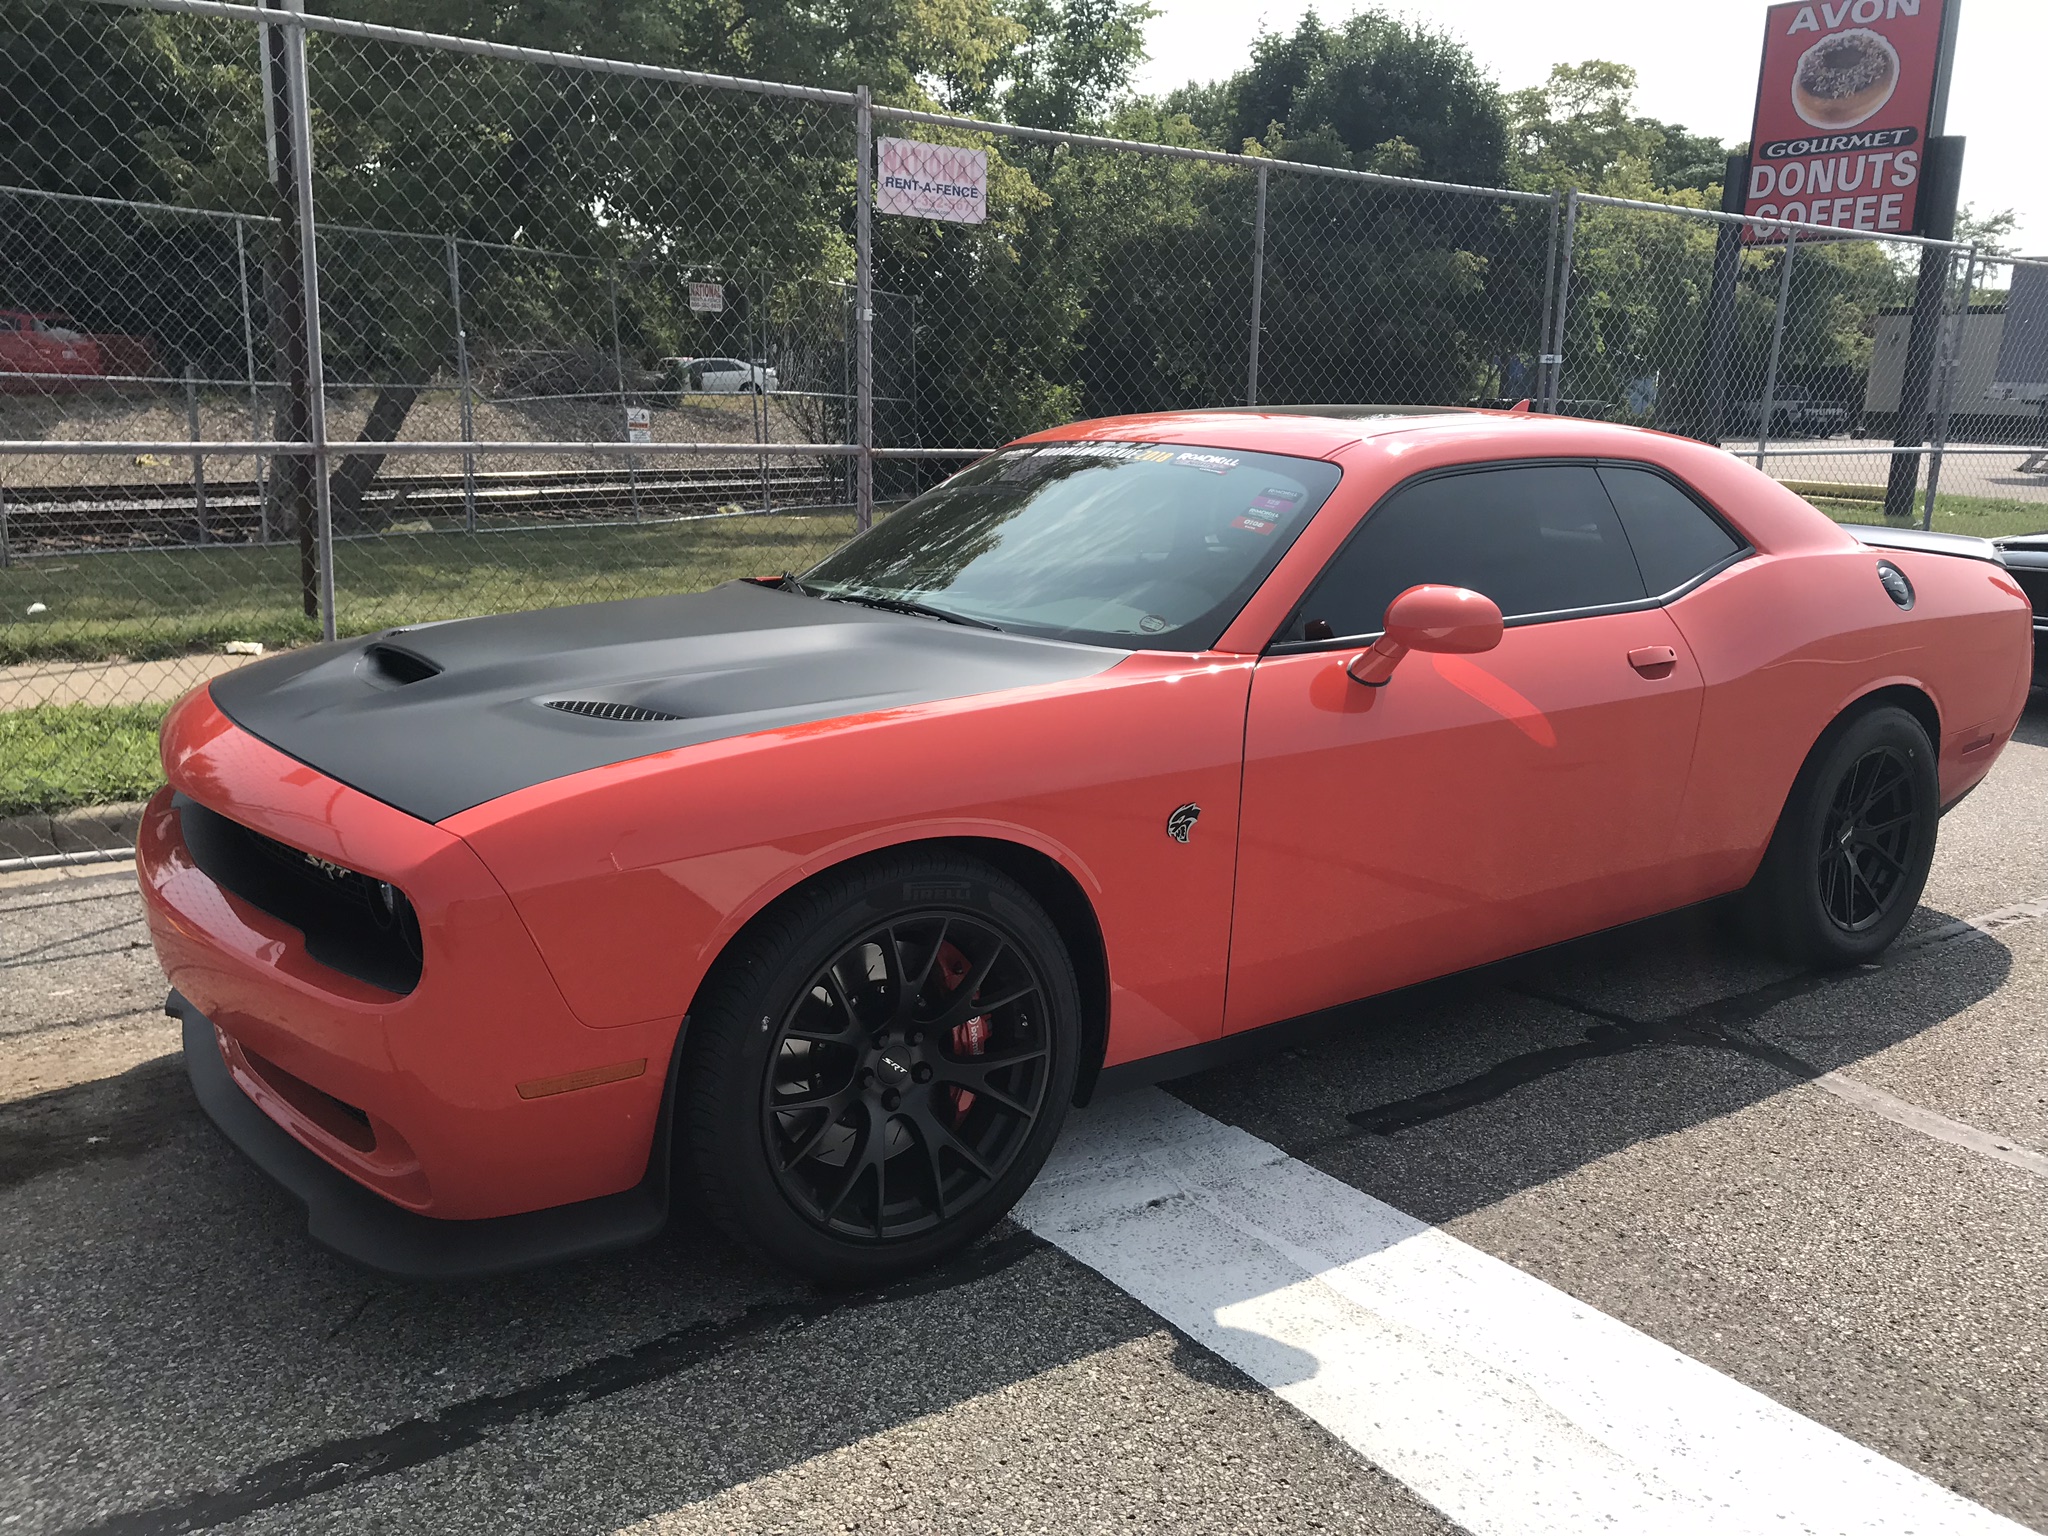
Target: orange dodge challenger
[823, 898]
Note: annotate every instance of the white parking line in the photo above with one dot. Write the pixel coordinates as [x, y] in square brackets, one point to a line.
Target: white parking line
[1508, 1405]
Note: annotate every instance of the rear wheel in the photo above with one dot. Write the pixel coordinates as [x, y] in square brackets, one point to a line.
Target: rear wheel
[878, 1071]
[1851, 852]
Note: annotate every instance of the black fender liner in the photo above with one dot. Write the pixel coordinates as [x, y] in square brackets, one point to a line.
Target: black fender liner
[369, 1230]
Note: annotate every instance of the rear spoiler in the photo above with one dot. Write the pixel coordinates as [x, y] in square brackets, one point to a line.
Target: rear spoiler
[1921, 541]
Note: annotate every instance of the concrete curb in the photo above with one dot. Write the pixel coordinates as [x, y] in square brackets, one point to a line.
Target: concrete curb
[76, 836]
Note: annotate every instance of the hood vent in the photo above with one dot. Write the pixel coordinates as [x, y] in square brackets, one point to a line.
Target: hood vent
[398, 667]
[601, 709]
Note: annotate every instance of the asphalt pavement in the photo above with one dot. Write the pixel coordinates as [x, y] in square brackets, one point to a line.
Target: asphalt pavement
[1830, 1190]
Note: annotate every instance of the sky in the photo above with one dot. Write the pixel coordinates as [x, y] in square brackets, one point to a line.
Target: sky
[1696, 61]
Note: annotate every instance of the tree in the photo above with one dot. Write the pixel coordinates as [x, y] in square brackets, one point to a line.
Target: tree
[1072, 58]
[1579, 129]
[1373, 79]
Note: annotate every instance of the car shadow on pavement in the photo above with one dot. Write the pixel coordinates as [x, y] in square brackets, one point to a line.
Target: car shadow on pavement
[1463, 1092]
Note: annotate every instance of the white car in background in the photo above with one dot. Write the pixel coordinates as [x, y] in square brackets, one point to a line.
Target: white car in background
[718, 376]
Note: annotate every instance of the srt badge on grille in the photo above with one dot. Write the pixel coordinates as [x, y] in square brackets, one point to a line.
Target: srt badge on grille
[334, 871]
[1182, 822]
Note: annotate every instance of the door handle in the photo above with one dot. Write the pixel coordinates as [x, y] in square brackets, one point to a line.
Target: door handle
[1653, 660]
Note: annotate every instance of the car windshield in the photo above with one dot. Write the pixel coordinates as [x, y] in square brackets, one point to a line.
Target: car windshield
[1147, 545]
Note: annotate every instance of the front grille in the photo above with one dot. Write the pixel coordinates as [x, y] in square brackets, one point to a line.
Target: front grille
[351, 923]
[603, 709]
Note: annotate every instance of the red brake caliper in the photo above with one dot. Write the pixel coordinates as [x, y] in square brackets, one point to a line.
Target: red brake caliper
[969, 1039]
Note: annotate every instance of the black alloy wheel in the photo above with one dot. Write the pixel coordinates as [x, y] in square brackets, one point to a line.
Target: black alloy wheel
[907, 1076]
[1851, 852]
[1867, 839]
[877, 1067]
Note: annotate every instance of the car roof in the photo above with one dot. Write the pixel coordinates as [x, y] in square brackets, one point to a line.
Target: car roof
[1324, 431]
[1389, 443]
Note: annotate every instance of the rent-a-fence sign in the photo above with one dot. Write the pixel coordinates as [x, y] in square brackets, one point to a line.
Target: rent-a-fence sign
[931, 181]
[1842, 110]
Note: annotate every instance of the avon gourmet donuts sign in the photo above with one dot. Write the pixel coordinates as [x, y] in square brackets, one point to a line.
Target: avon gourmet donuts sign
[1842, 112]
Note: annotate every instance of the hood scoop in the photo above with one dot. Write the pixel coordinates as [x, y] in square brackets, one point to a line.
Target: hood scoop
[604, 709]
[395, 666]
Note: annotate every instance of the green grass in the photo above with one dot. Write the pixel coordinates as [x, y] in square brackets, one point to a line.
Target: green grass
[149, 605]
[1986, 516]
[56, 756]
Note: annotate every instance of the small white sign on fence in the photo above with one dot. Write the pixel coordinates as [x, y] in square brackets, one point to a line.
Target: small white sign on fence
[639, 424]
[931, 181]
[707, 298]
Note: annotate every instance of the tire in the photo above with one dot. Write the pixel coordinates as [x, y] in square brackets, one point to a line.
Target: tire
[1851, 852]
[843, 1108]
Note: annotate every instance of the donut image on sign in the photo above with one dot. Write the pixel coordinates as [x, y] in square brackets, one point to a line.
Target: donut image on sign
[1842, 80]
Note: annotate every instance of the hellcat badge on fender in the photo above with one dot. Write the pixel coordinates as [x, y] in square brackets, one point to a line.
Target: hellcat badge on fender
[1182, 822]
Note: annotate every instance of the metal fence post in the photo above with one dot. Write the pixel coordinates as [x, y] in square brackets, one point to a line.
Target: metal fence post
[299, 95]
[1251, 378]
[761, 392]
[1951, 345]
[6, 555]
[619, 372]
[1770, 396]
[1554, 360]
[1541, 391]
[465, 403]
[864, 312]
[198, 458]
[249, 366]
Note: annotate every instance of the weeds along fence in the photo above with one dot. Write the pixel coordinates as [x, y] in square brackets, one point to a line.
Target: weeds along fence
[310, 326]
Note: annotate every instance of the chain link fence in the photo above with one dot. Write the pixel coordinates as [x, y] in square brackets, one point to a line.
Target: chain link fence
[347, 327]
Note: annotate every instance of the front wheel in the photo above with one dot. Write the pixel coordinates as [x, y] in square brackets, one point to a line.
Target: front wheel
[879, 1069]
[1851, 852]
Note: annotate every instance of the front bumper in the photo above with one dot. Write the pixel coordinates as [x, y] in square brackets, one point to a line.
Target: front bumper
[474, 1095]
[344, 1216]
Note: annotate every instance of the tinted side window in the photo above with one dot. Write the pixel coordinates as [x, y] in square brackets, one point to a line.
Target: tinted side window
[1535, 539]
[1674, 536]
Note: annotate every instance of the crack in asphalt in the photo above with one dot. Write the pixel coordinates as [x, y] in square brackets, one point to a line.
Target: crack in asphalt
[1715, 1025]
[38, 954]
[414, 1442]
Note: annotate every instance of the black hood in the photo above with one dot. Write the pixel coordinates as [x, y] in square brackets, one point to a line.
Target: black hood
[437, 718]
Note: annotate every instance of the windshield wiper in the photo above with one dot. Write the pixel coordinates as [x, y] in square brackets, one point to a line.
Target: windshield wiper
[789, 583]
[907, 605]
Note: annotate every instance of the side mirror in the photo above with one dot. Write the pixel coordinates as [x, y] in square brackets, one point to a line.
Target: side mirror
[1447, 620]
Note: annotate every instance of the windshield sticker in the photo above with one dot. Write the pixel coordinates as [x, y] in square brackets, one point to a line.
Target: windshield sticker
[1214, 463]
[1126, 453]
[1256, 522]
[1152, 624]
[1273, 499]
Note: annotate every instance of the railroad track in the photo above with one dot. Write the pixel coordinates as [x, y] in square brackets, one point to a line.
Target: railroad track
[54, 519]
